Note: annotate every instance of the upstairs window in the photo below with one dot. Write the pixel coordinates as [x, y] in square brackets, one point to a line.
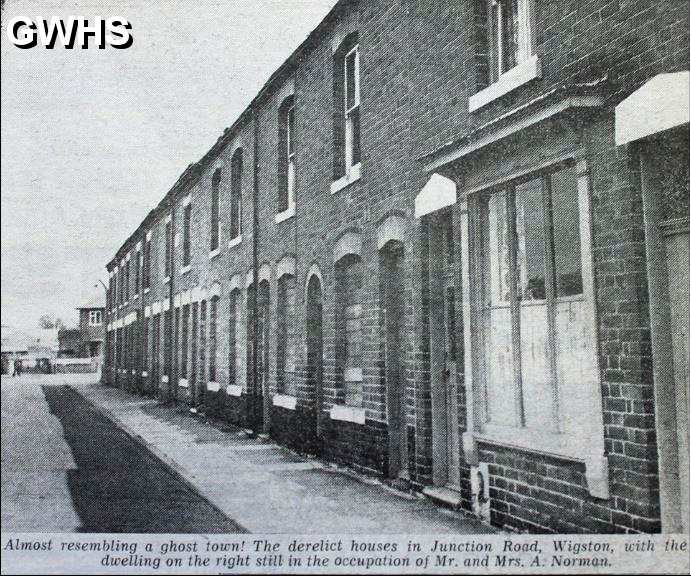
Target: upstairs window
[169, 242]
[95, 318]
[347, 108]
[236, 195]
[127, 281]
[511, 34]
[111, 293]
[215, 205]
[286, 155]
[137, 272]
[147, 262]
[186, 240]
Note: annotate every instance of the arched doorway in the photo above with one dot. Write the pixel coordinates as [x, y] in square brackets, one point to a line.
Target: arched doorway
[392, 306]
[315, 343]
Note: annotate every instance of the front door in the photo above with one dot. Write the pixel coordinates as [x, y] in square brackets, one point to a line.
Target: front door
[443, 351]
[392, 306]
[315, 348]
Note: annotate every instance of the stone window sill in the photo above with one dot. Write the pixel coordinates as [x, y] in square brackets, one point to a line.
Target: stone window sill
[147, 290]
[235, 241]
[135, 297]
[214, 253]
[234, 390]
[555, 445]
[345, 413]
[285, 401]
[213, 386]
[507, 82]
[185, 269]
[166, 280]
[286, 214]
[353, 175]
[183, 383]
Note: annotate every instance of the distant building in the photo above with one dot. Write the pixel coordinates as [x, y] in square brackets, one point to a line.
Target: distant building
[15, 344]
[91, 326]
[86, 341]
[36, 350]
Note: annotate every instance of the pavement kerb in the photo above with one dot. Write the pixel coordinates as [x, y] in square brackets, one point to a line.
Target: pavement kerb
[189, 479]
[178, 471]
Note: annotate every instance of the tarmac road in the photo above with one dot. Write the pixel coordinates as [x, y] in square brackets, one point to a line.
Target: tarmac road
[68, 468]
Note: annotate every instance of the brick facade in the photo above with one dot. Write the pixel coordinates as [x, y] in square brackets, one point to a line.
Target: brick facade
[419, 65]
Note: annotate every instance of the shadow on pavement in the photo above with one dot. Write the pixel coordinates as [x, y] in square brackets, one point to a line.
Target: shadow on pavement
[118, 485]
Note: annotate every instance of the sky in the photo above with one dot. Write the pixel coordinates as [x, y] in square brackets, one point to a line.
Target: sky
[93, 139]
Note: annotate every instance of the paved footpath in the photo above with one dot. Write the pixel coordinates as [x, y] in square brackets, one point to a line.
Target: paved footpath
[266, 488]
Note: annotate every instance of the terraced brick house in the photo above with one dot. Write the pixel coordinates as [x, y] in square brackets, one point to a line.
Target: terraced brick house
[446, 245]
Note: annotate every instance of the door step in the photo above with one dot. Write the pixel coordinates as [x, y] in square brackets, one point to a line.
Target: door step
[443, 495]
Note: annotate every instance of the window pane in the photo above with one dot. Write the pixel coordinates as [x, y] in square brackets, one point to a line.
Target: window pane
[497, 249]
[530, 225]
[291, 131]
[354, 135]
[567, 236]
[350, 80]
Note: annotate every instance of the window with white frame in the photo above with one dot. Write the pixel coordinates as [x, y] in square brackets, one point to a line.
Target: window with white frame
[186, 236]
[347, 148]
[286, 155]
[169, 248]
[351, 70]
[537, 352]
[236, 195]
[511, 34]
[215, 209]
[95, 317]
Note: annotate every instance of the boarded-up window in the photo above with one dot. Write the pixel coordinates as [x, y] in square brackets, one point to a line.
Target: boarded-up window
[349, 327]
[287, 335]
[532, 305]
[213, 337]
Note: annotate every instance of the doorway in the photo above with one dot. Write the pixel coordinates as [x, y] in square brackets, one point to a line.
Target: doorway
[443, 350]
[392, 307]
[315, 350]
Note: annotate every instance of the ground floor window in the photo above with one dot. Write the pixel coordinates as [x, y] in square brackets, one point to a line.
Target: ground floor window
[287, 335]
[213, 336]
[185, 340]
[349, 288]
[235, 331]
[530, 285]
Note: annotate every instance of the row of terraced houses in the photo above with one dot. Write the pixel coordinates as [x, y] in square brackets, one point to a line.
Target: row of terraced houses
[445, 245]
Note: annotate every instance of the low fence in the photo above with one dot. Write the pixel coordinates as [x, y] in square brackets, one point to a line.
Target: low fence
[76, 365]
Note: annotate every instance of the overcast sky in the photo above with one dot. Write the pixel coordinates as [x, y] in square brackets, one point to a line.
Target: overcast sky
[93, 139]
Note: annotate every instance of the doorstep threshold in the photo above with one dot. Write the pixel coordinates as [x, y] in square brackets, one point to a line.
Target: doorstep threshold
[443, 495]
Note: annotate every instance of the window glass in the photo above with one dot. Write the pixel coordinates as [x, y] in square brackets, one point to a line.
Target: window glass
[498, 248]
[350, 71]
[354, 121]
[567, 236]
[530, 226]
